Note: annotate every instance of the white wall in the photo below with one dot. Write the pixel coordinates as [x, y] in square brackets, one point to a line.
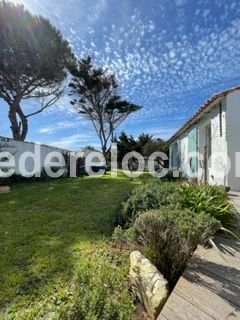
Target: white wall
[17, 148]
[183, 152]
[233, 136]
[216, 174]
[218, 166]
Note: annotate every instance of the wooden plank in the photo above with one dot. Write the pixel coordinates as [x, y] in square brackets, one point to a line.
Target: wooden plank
[222, 272]
[206, 300]
[209, 287]
[229, 247]
[177, 308]
[211, 280]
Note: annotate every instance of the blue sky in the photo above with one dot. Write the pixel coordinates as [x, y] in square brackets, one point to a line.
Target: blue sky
[169, 57]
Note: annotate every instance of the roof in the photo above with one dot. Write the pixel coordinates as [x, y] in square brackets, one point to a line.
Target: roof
[209, 102]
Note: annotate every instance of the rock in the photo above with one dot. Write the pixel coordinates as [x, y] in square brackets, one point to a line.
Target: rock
[148, 284]
[4, 189]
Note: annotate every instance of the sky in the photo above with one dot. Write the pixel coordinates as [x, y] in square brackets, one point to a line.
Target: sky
[169, 56]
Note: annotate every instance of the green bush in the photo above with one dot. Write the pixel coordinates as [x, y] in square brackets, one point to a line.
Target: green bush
[169, 237]
[149, 195]
[123, 236]
[211, 200]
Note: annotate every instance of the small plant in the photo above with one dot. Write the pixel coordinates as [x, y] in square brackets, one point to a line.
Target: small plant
[123, 236]
[169, 237]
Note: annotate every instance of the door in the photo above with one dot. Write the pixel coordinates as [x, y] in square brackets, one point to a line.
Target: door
[207, 152]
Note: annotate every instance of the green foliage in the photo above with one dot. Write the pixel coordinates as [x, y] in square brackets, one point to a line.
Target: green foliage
[95, 97]
[31, 46]
[145, 144]
[20, 179]
[184, 216]
[211, 200]
[34, 59]
[169, 237]
[149, 195]
[144, 138]
[99, 290]
[154, 146]
[123, 236]
[125, 143]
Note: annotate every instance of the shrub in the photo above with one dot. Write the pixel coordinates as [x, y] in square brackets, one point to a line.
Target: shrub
[169, 237]
[99, 290]
[212, 200]
[15, 178]
[149, 195]
[123, 236]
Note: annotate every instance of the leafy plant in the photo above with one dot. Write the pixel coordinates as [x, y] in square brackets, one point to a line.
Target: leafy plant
[212, 200]
[170, 236]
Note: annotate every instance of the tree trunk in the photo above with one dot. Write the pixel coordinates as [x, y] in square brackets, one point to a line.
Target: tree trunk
[12, 115]
[19, 129]
[23, 124]
[104, 152]
[112, 135]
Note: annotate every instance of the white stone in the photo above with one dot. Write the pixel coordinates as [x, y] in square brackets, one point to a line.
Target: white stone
[148, 284]
[4, 189]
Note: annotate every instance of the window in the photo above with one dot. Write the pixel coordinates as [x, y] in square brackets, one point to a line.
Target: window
[174, 155]
[193, 149]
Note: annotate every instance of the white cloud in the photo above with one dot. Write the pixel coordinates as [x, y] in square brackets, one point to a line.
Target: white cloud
[160, 68]
[74, 142]
[159, 132]
[61, 125]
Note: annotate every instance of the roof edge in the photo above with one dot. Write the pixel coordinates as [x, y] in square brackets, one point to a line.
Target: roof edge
[202, 108]
[31, 142]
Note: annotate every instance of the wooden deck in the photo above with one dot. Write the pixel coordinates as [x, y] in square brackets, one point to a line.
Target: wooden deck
[210, 285]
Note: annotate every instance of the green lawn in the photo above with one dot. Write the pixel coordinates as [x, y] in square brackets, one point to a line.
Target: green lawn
[56, 262]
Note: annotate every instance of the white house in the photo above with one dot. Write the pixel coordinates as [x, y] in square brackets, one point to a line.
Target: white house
[17, 148]
[208, 143]
[29, 153]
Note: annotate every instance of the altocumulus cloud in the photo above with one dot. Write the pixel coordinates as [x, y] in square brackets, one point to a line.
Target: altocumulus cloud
[168, 56]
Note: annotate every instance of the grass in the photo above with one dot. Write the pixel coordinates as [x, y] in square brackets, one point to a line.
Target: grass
[55, 261]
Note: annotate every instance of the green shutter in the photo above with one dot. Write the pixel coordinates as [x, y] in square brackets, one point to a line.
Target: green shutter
[193, 147]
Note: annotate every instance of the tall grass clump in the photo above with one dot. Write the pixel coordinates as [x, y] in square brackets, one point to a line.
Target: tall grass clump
[211, 200]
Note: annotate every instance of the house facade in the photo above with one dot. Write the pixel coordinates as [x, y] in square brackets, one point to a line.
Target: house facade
[206, 147]
[18, 148]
